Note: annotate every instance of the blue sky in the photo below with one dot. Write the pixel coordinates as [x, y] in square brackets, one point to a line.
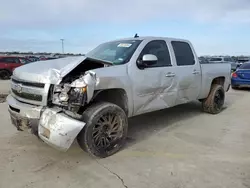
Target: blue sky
[214, 27]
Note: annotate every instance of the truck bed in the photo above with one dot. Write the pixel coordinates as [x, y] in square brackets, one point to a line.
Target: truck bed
[211, 71]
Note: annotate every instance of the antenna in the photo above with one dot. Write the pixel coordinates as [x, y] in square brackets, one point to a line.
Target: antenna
[136, 36]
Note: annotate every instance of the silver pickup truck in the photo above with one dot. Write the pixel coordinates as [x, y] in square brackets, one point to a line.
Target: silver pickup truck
[89, 98]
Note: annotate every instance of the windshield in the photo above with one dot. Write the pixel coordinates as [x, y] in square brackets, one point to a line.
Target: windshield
[117, 52]
[24, 61]
[215, 59]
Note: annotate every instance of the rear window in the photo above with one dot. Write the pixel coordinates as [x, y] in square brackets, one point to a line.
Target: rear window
[215, 59]
[245, 66]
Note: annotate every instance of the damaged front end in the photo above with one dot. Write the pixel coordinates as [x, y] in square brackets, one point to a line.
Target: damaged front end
[61, 122]
[72, 96]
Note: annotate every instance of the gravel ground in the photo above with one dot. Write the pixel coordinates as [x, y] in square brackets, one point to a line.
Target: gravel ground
[179, 147]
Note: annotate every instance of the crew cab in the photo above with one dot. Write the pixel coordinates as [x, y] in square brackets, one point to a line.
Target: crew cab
[91, 97]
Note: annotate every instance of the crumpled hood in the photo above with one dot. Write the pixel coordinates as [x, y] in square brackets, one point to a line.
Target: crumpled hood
[49, 71]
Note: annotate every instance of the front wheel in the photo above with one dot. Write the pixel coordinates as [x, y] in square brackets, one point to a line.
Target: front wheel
[105, 131]
[4, 75]
[213, 104]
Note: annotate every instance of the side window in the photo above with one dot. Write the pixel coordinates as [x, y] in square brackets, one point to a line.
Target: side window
[8, 60]
[183, 53]
[160, 50]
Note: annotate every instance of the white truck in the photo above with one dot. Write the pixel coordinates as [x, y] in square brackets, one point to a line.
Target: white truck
[91, 97]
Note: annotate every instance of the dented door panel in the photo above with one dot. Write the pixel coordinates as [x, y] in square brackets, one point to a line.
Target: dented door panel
[154, 88]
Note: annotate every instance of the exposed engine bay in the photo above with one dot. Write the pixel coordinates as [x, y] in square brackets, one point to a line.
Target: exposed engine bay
[77, 87]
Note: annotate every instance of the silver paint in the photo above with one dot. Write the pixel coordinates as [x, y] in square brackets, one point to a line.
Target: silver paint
[147, 90]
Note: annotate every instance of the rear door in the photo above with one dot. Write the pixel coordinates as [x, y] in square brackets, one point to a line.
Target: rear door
[188, 72]
[154, 87]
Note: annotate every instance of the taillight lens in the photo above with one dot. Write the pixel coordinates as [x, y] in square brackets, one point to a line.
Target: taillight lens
[234, 75]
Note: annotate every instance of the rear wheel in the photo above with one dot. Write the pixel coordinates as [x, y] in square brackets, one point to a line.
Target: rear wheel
[213, 104]
[105, 131]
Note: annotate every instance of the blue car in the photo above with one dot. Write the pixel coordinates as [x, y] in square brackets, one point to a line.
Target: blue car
[241, 77]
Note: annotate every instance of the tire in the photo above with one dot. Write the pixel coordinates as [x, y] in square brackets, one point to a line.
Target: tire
[98, 130]
[4, 74]
[213, 104]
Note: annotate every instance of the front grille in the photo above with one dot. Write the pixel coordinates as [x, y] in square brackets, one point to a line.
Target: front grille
[28, 96]
[32, 84]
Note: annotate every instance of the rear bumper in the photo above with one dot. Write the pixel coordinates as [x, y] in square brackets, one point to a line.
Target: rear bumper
[240, 82]
[50, 124]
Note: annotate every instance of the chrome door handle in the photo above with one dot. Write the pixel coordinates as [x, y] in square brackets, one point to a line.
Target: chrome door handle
[170, 75]
[196, 72]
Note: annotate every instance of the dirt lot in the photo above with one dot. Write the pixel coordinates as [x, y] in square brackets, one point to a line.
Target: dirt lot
[173, 148]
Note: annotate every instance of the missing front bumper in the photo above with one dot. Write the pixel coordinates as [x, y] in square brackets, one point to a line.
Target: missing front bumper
[51, 125]
[22, 123]
[58, 130]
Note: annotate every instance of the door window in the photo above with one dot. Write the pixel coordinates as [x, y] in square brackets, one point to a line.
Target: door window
[160, 50]
[183, 53]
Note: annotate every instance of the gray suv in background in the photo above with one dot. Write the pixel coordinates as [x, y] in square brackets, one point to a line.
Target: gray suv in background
[234, 65]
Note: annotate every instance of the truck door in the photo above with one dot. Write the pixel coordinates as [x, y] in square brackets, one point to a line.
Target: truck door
[188, 72]
[154, 87]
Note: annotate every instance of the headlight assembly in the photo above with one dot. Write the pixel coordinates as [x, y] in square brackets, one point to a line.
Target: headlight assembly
[65, 95]
[78, 96]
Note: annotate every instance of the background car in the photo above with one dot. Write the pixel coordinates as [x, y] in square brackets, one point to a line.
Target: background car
[233, 63]
[203, 60]
[9, 63]
[32, 58]
[241, 77]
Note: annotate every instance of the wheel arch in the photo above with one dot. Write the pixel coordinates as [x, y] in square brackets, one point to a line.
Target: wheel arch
[218, 80]
[116, 96]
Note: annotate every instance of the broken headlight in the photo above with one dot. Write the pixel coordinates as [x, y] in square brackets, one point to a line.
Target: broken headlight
[78, 96]
[66, 95]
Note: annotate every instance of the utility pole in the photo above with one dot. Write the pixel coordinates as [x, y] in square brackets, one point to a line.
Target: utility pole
[62, 45]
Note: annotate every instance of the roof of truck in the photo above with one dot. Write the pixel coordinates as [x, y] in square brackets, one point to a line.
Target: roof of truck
[151, 38]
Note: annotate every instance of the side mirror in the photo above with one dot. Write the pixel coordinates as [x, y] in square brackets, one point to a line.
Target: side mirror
[147, 60]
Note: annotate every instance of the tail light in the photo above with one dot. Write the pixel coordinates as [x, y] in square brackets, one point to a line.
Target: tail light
[234, 75]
